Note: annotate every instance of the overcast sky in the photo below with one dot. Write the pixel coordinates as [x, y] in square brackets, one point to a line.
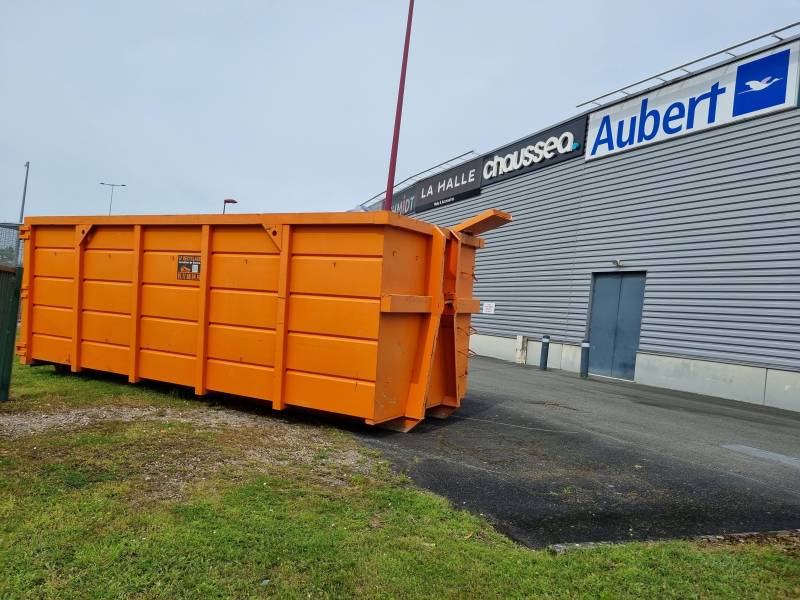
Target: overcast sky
[289, 106]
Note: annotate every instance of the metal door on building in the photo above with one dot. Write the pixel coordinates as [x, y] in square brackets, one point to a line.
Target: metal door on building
[615, 323]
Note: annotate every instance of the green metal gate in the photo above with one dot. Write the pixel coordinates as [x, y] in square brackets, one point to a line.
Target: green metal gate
[10, 278]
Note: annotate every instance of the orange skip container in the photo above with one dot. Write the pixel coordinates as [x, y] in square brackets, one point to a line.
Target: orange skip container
[359, 314]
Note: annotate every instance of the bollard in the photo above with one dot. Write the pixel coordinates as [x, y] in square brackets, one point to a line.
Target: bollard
[585, 359]
[544, 353]
[522, 350]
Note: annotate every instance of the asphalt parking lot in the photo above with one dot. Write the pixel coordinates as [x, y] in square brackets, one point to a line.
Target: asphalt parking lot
[551, 458]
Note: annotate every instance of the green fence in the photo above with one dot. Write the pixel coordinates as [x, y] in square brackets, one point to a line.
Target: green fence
[10, 278]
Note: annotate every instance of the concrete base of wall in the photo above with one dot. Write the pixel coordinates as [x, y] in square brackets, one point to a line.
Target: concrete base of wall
[560, 356]
[757, 385]
[495, 347]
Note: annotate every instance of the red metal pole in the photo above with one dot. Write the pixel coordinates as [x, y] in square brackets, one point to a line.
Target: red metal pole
[387, 204]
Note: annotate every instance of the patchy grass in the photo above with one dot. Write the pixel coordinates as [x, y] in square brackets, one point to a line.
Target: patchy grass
[45, 389]
[128, 492]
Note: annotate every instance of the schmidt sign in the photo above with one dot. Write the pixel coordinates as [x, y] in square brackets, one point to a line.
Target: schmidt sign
[751, 87]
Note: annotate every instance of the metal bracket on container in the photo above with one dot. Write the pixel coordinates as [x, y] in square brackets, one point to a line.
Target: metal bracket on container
[486, 221]
[274, 234]
[81, 231]
[468, 305]
[399, 303]
[462, 305]
[24, 232]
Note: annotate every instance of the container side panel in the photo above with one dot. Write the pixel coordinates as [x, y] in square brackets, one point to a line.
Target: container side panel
[50, 320]
[241, 344]
[108, 265]
[104, 357]
[107, 296]
[242, 310]
[245, 271]
[242, 239]
[406, 268]
[169, 302]
[441, 374]
[328, 315]
[251, 309]
[54, 262]
[175, 239]
[50, 348]
[242, 379]
[50, 291]
[342, 357]
[163, 366]
[463, 321]
[464, 325]
[405, 263]
[401, 335]
[338, 240]
[333, 312]
[332, 394]
[338, 276]
[106, 328]
[466, 279]
[106, 237]
[166, 335]
[54, 236]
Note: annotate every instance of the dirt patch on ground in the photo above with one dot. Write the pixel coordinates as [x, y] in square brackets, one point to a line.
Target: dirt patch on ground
[788, 540]
[18, 424]
[173, 450]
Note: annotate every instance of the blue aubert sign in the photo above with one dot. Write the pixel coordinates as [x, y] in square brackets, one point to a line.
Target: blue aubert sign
[753, 86]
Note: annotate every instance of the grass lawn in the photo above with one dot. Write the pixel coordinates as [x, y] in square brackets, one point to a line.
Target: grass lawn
[115, 491]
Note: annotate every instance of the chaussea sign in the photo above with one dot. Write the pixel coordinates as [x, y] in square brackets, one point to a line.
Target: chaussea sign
[546, 148]
[753, 86]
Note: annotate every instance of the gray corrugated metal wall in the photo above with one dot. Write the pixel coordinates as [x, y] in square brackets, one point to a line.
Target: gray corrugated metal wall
[714, 219]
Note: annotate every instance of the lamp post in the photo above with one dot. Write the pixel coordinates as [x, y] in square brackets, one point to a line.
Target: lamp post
[398, 115]
[226, 202]
[18, 252]
[24, 191]
[112, 186]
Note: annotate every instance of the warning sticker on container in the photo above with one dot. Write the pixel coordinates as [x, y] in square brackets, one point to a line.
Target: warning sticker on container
[188, 267]
[487, 308]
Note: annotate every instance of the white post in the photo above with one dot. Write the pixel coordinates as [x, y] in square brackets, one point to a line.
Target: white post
[522, 350]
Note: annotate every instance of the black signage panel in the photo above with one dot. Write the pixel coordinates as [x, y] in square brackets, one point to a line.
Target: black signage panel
[434, 191]
[543, 149]
[549, 147]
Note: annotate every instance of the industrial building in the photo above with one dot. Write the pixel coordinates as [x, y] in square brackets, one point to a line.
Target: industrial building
[662, 226]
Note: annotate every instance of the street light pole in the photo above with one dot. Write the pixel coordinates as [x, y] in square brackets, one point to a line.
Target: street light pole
[112, 186]
[18, 252]
[387, 203]
[226, 202]
[24, 191]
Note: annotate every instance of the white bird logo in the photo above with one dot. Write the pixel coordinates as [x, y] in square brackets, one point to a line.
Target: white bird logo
[757, 86]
